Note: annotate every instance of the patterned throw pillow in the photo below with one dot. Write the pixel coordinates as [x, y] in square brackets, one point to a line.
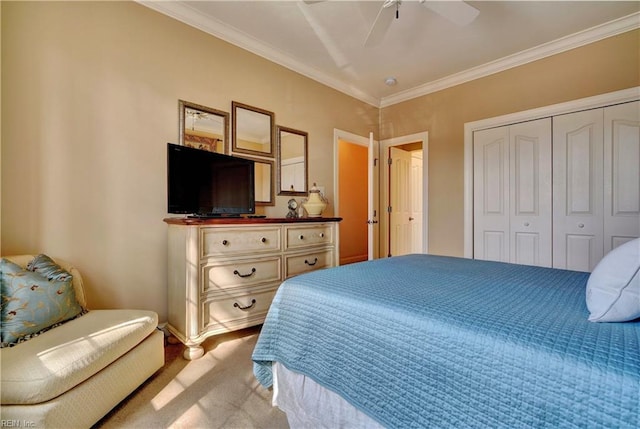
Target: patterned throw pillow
[31, 303]
[48, 268]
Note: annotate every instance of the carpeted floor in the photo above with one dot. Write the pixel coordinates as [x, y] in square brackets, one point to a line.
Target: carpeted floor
[216, 391]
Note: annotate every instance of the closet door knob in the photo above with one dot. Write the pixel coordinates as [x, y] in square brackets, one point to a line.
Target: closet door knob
[526, 224]
[581, 225]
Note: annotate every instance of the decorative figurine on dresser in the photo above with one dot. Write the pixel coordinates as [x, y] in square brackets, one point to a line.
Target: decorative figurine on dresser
[293, 209]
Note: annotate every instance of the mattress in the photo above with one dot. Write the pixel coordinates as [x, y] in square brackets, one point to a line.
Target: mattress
[433, 341]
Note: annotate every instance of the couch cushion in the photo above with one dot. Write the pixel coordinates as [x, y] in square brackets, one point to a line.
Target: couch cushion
[56, 361]
[31, 302]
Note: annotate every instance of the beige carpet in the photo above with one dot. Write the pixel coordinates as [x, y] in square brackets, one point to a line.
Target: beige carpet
[216, 391]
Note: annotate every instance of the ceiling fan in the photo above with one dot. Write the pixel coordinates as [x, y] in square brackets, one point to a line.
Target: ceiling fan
[456, 11]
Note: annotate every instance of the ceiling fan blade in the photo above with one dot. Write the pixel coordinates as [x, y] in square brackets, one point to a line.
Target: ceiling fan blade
[380, 25]
[456, 11]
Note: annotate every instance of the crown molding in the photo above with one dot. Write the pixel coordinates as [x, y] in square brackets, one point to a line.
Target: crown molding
[594, 34]
[184, 13]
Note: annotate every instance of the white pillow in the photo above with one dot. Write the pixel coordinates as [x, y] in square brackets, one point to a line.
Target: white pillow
[613, 288]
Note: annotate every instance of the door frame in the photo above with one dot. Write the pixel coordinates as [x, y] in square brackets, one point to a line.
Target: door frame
[384, 186]
[363, 141]
[594, 102]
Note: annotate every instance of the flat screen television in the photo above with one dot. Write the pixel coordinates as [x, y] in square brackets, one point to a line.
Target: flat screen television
[207, 184]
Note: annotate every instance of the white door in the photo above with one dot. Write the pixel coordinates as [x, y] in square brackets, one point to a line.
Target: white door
[578, 190]
[400, 201]
[530, 193]
[491, 194]
[416, 201]
[621, 174]
[512, 193]
[372, 218]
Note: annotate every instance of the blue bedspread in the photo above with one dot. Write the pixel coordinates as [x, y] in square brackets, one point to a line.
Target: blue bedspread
[430, 341]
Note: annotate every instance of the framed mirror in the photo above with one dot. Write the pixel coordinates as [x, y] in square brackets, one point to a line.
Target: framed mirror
[203, 127]
[264, 186]
[292, 161]
[253, 130]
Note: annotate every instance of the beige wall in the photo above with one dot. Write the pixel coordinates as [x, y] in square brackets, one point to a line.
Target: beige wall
[90, 93]
[605, 66]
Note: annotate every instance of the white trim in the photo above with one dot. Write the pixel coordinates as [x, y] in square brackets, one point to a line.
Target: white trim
[597, 101]
[591, 35]
[384, 156]
[186, 14]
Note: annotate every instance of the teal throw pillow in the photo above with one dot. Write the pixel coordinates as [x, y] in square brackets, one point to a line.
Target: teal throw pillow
[31, 303]
[48, 268]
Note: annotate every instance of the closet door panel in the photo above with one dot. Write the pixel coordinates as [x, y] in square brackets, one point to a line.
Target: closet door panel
[491, 194]
[578, 190]
[621, 174]
[530, 188]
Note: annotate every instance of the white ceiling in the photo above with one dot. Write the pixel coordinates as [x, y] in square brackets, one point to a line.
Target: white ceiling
[423, 51]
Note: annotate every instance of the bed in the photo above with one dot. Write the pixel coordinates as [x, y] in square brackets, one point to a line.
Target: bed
[434, 341]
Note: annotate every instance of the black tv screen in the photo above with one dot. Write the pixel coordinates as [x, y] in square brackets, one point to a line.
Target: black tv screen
[204, 183]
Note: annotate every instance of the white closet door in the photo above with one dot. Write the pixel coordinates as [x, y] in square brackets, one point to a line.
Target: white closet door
[621, 174]
[491, 194]
[578, 190]
[530, 195]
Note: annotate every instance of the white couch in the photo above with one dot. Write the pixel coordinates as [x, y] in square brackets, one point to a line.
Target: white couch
[74, 374]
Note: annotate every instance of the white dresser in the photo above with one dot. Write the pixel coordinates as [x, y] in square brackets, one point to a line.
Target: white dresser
[223, 273]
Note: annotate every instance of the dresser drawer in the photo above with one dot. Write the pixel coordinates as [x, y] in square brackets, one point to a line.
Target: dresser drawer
[299, 264]
[233, 241]
[311, 235]
[224, 275]
[235, 312]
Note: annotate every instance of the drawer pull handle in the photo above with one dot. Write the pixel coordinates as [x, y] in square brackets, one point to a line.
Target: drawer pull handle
[225, 242]
[322, 235]
[236, 305]
[301, 237]
[263, 239]
[253, 270]
[311, 264]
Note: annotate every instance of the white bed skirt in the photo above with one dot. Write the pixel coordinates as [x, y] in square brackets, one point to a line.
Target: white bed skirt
[309, 405]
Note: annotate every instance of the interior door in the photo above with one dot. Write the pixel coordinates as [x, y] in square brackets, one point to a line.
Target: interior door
[530, 193]
[512, 193]
[400, 202]
[371, 213]
[416, 202]
[578, 190]
[491, 194]
[621, 174]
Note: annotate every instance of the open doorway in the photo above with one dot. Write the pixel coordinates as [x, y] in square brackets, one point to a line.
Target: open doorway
[405, 190]
[352, 186]
[356, 189]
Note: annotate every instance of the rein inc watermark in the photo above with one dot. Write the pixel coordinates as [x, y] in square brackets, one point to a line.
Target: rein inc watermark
[17, 423]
